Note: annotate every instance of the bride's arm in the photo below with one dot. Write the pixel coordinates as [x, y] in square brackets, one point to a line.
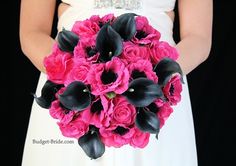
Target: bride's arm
[195, 18]
[36, 18]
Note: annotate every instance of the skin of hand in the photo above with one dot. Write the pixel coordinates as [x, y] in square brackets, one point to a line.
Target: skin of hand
[195, 17]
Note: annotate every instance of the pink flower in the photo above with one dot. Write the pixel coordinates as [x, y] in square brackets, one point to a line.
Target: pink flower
[163, 113]
[101, 21]
[98, 114]
[146, 34]
[74, 129]
[116, 136]
[133, 52]
[112, 76]
[58, 112]
[142, 68]
[139, 139]
[86, 28]
[79, 71]
[172, 90]
[123, 113]
[57, 65]
[108, 18]
[86, 49]
[162, 50]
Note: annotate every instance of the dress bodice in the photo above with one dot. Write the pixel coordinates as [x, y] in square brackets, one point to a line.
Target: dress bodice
[154, 10]
[164, 5]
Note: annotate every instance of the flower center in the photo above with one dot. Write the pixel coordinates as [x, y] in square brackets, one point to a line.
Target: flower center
[108, 77]
[137, 74]
[96, 107]
[121, 130]
[91, 51]
[140, 34]
[172, 89]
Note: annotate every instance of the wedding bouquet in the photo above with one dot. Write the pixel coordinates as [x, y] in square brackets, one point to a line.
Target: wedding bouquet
[111, 82]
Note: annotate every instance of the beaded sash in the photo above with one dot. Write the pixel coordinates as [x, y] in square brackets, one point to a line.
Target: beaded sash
[118, 4]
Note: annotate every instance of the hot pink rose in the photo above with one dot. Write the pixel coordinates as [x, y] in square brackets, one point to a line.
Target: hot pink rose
[112, 76]
[172, 90]
[86, 49]
[139, 139]
[86, 28]
[110, 136]
[79, 71]
[58, 112]
[99, 113]
[123, 113]
[74, 129]
[57, 65]
[163, 113]
[146, 34]
[162, 50]
[133, 52]
[142, 68]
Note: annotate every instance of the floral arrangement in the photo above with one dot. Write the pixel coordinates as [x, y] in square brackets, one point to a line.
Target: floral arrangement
[111, 82]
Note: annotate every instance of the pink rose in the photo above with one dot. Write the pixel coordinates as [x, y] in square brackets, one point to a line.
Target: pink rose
[98, 114]
[142, 68]
[123, 113]
[79, 71]
[162, 50]
[146, 34]
[85, 29]
[132, 52]
[86, 49]
[139, 139]
[172, 90]
[57, 65]
[74, 129]
[95, 18]
[62, 114]
[116, 136]
[163, 113]
[112, 76]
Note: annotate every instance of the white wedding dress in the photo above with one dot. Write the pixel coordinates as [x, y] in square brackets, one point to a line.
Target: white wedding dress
[176, 144]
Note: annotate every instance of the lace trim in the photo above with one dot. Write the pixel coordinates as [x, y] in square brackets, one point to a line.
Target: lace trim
[118, 4]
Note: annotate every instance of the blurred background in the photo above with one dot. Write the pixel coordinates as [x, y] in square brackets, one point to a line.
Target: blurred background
[212, 89]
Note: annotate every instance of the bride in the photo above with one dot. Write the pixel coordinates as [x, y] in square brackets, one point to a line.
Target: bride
[176, 144]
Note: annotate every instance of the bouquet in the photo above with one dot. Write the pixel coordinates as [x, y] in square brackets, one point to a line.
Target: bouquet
[111, 82]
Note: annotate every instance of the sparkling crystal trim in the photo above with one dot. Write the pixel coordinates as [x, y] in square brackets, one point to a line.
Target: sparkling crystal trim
[118, 4]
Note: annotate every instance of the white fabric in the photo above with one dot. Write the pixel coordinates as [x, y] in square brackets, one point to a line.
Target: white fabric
[176, 143]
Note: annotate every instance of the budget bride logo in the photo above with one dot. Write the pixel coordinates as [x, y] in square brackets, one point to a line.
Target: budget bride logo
[51, 141]
[111, 82]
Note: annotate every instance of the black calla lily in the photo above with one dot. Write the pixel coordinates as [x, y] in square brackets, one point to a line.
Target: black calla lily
[125, 25]
[47, 94]
[147, 121]
[165, 70]
[76, 96]
[108, 43]
[67, 40]
[142, 92]
[92, 144]
[153, 108]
